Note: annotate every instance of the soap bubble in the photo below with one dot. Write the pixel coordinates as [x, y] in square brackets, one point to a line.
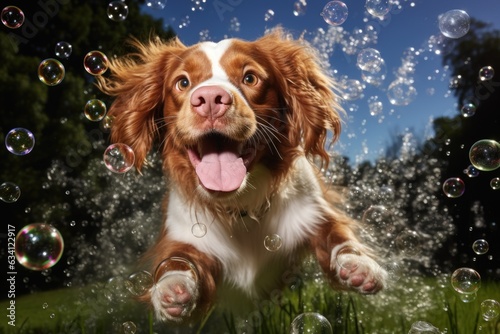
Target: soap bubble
[454, 23]
[129, 327]
[269, 15]
[485, 155]
[465, 280]
[156, 4]
[95, 62]
[370, 60]
[375, 106]
[63, 49]
[471, 171]
[119, 158]
[378, 220]
[422, 327]
[467, 297]
[51, 72]
[351, 89]
[495, 183]
[480, 246]
[19, 141]
[453, 187]
[408, 243]
[117, 11]
[490, 309]
[273, 242]
[376, 77]
[378, 8]
[12, 17]
[486, 73]
[299, 7]
[347, 258]
[311, 322]
[39, 246]
[468, 109]
[139, 283]
[401, 92]
[335, 13]
[199, 230]
[9, 192]
[95, 110]
[106, 123]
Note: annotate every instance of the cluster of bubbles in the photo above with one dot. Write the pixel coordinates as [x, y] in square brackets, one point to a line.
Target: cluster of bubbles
[273, 242]
[335, 13]
[119, 158]
[12, 17]
[310, 322]
[117, 11]
[156, 4]
[198, 5]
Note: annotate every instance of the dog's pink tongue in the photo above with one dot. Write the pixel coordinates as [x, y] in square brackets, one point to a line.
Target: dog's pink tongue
[221, 171]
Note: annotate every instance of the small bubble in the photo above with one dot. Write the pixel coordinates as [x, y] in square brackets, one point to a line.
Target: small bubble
[311, 322]
[495, 183]
[335, 13]
[454, 23]
[468, 109]
[119, 158]
[465, 280]
[490, 309]
[52, 316]
[95, 62]
[370, 60]
[269, 15]
[375, 106]
[19, 141]
[156, 4]
[485, 155]
[486, 73]
[95, 110]
[129, 327]
[480, 246]
[106, 123]
[63, 49]
[273, 242]
[467, 297]
[299, 7]
[45, 306]
[453, 187]
[422, 327]
[51, 72]
[12, 17]
[471, 171]
[199, 230]
[378, 8]
[39, 246]
[117, 11]
[9, 192]
[139, 283]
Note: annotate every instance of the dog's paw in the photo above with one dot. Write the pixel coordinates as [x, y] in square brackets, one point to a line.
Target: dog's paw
[174, 296]
[357, 271]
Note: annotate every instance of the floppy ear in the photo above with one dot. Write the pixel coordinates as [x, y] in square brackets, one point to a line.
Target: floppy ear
[313, 107]
[137, 83]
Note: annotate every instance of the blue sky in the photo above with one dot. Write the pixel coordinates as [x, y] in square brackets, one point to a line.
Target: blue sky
[411, 25]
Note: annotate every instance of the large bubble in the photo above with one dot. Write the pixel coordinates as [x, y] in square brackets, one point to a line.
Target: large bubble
[485, 155]
[311, 322]
[454, 23]
[19, 141]
[95, 62]
[370, 60]
[12, 17]
[95, 110]
[490, 309]
[139, 283]
[9, 192]
[335, 13]
[51, 72]
[453, 187]
[119, 158]
[39, 246]
[466, 280]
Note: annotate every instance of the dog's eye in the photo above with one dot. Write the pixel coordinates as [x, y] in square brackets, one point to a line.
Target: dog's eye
[182, 84]
[250, 79]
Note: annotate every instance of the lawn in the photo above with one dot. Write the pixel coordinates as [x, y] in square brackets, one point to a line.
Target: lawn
[102, 308]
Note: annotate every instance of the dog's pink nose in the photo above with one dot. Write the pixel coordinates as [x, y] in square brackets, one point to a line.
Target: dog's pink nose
[211, 102]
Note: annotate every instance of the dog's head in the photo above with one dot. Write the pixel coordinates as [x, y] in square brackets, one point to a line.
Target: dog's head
[219, 109]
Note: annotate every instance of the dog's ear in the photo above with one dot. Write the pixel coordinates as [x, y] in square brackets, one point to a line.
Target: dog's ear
[312, 106]
[137, 84]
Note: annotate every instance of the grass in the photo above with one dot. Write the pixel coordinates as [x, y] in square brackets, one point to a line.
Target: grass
[96, 309]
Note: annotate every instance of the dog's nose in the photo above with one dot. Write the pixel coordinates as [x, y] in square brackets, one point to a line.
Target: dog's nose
[211, 102]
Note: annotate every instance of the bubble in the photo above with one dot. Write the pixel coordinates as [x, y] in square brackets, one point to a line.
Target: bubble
[51, 72]
[273, 242]
[378, 220]
[116, 289]
[468, 109]
[370, 60]
[454, 187]
[422, 327]
[401, 93]
[375, 106]
[106, 123]
[352, 90]
[335, 13]
[19, 141]
[467, 297]
[199, 230]
[63, 49]
[466, 280]
[95, 62]
[129, 327]
[139, 283]
[156, 4]
[9, 192]
[117, 11]
[495, 183]
[45, 306]
[480, 246]
[95, 110]
[347, 258]
[408, 243]
[378, 8]
[269, 15]
[311, 322]
[485, 155]
[486, 73]
[39, 246]
[454, 23]
[471, 171]
[299, 7]
[119, 158]
[490, 309]
[12, 17]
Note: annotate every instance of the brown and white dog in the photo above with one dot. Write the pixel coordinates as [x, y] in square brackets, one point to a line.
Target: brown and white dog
[239, 124]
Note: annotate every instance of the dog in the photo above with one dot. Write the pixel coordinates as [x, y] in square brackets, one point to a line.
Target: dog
[242, 128]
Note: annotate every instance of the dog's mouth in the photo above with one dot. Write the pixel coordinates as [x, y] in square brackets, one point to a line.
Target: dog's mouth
[221, 163]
